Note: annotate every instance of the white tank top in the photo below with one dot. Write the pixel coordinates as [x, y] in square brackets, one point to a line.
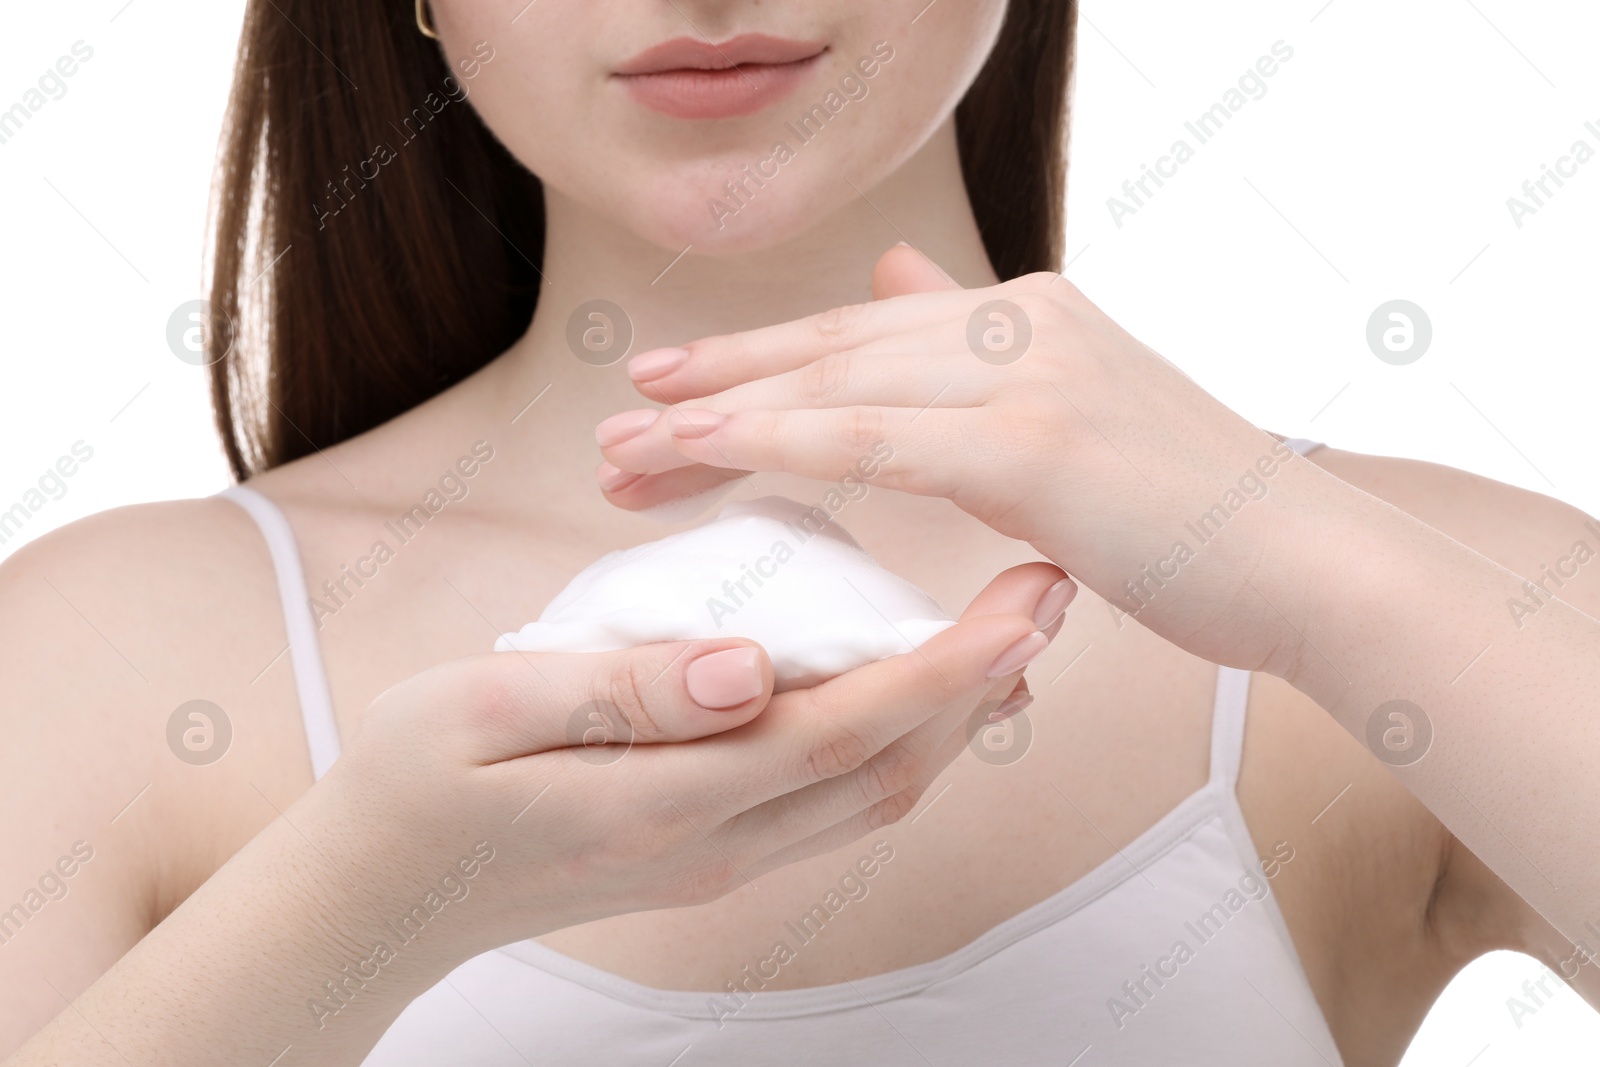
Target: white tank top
[1171, 951]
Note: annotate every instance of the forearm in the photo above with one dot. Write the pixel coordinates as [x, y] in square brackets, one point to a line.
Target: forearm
[1381, 607]
[275, 951]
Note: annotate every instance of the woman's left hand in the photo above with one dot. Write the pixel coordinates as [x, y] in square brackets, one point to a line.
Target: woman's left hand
[1135, 481]
[1026, 406]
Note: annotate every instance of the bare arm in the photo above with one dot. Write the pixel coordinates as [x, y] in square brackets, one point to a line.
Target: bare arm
[1473, 911]
[92, 802]
[1399, 630]
[105, 829]
[1405, 635]
[293, 943]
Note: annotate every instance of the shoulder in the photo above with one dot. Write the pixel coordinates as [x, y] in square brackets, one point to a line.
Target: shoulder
[131, 612]
[139, 598]
[114, 624]
[135, 599]
[172, 540]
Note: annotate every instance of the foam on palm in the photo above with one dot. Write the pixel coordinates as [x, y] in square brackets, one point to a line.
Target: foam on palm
[770, 570]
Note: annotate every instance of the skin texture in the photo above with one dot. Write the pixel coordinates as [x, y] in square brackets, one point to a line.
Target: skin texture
[1383, 902]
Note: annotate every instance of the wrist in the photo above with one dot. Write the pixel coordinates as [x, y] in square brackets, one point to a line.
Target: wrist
[1368, 573]
[1326, 570]
[268, 953]
[390, 889]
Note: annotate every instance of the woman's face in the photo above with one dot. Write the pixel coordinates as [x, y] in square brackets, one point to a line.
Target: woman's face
[629, 106]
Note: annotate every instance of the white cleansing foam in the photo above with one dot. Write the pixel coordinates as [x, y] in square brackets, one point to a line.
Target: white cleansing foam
[776, 572]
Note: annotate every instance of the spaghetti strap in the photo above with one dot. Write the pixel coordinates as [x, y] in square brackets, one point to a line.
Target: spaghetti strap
[310, 681]
[1227, 726]
[1303, 445]
[1233, 693]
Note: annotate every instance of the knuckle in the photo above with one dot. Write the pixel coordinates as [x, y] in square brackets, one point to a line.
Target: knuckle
[626, 688]
[892, 809]
[862, 429]
[1039, 306]
[1041, 281]
[822, 380]
[890, 773]
[1042, 291]
[840, 750]
[838, 324]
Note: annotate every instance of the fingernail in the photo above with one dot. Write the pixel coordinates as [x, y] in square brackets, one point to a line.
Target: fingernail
[612, 478]
[725, 679]
[656, 363]
[619, 428]
[1055, 627]
[1052, 603]
[694, 422]
[1019, 655]
[1011, 705]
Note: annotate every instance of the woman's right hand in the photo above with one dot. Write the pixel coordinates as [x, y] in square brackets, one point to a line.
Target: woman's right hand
[544, 785]
[467, 812]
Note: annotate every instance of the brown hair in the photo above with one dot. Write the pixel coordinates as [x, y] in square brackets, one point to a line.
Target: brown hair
[339, 300]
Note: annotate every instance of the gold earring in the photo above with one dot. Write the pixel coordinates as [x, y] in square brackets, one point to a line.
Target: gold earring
[422, 20]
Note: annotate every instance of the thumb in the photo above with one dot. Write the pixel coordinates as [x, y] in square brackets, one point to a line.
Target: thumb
[903, 270]
[505, 705]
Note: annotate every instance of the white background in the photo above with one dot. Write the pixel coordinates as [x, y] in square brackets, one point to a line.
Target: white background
[1377, 166]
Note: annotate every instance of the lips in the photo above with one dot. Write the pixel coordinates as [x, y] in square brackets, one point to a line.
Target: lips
[693, 79]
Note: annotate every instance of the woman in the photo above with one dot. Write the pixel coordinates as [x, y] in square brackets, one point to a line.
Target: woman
[444, 233]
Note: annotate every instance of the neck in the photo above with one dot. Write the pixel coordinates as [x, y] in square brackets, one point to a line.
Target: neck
[829, 265]
[671, 302]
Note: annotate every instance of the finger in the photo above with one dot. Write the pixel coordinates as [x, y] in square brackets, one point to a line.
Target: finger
[915, 759]
[909, 292]
[514, 704]
[713, 364]
[885, 812]
[933, 452]
[879, 791]
[848, 831]
[914, 375]
[904, 269]
[641, 492]
[810, 735]
[831, 814]
[1039, 590]
[1018, 700]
